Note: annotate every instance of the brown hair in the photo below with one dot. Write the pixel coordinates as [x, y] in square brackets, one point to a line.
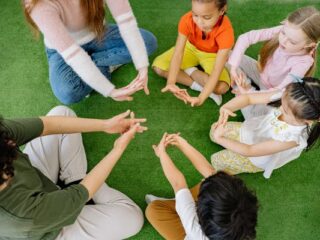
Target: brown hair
[308, 20]
[219, 3]
[94, 10]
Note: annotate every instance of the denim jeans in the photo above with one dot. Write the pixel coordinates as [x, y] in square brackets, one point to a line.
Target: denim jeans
[68, 87]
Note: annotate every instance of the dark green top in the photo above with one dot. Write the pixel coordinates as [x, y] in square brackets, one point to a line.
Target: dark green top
[32, 206]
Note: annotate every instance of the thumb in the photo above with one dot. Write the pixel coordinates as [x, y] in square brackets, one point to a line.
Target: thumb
[125, 114]
[164, 89]
[146, 90]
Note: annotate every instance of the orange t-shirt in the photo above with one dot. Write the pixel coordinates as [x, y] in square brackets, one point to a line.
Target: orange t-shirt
[221, 36]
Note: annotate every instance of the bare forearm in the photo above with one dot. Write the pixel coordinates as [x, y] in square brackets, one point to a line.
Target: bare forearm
[235, 146]
[174, 176]
[174, 68]
[98, 175]
[197, 159]
[59, 124]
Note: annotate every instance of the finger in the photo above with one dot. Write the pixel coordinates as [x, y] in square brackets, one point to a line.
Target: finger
[163, 138]
[132, 115]
[146, 89]
[154, 148]
[231, 113]
[165, 89]
[124, 114]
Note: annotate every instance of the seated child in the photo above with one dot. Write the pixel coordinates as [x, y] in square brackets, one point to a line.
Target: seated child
[205, 38]
[225, 208]
[269, 141]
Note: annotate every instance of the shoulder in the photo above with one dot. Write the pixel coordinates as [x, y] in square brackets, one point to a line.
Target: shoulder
[43, 6]
[226, 23]
[186, 18]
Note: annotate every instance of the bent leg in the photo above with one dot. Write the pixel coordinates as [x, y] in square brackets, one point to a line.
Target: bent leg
[60, 155]
[114, 216]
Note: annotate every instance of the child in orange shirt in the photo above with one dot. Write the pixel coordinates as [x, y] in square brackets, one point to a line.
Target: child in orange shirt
[205, 38]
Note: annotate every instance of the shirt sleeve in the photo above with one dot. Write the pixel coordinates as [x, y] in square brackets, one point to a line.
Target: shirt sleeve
[183, 25]
[23, 130]
[54, 210]
[299, 69]
[48, 20]
[186, 209]
[249, 38]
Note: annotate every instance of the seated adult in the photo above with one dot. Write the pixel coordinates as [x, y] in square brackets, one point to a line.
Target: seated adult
[32, 206]
[82, 50]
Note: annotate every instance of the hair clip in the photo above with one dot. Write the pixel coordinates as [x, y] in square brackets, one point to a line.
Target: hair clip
[296, 79]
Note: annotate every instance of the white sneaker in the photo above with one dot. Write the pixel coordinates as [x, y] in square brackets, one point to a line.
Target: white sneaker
[150, 198]
[114, 67]
[216, 98]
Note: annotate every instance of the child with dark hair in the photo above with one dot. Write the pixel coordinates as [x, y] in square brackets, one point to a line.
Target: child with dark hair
[220, 207]
[205, 38]
[268, 142]
[34, 207]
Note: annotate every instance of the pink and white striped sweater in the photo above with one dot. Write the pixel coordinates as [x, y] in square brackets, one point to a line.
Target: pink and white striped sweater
[64, 27]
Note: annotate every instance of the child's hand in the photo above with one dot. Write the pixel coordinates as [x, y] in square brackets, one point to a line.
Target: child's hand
[219, 131]
[195, 101]
[161, 148]
[123, 141]
[179, 93]
[242, 84]
[234, 74]
[224, 115]
[174, 139]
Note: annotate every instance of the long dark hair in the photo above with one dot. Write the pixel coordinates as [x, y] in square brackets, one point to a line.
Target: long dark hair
[304, 102]
[8, 153]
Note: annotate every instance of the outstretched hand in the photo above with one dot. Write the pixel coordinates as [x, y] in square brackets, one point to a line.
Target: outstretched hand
[174, 139]
[123, 141]
[179, 93]
[143, 77]
[243, 86]
[124, 94]
[121, 123]
[161, 147]
[224, 115]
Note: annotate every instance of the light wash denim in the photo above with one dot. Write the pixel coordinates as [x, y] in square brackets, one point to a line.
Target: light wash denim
[68, 87]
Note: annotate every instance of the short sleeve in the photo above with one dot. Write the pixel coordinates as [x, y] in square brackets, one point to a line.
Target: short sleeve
[183, 25]
[23, 130]
[59, 208]
[225, 39]
[186, 209]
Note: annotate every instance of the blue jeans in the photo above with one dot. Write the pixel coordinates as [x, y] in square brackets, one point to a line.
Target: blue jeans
[68, 87]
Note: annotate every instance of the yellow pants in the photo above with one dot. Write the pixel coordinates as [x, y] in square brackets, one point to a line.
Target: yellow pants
[191, 57]
[228, 161]
[164, 218]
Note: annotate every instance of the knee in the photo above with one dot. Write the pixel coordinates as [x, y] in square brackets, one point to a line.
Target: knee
[221, 88]
[160, 72]
[135, 221]
[150, 41]
[62, 111]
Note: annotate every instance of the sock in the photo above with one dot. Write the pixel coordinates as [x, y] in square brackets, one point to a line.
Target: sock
[197, 87]
[189, 71]
[150, 198]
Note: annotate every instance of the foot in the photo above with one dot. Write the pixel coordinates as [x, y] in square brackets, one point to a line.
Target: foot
[150, 198]
[114, 67]
[216, 98]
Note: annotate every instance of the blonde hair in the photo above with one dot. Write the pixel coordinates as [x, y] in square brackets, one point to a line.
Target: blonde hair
[308, 20]
[94, 10]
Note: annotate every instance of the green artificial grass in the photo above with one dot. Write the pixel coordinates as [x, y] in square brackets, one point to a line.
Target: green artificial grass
[289, 201]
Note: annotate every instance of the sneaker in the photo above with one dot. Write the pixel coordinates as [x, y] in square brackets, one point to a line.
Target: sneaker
[150, 198]
[114, 67]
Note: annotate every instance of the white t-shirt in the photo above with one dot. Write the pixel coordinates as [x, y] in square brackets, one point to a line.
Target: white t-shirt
[186, 208]
[266, 127]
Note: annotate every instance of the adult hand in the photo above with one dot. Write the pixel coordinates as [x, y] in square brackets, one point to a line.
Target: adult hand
[161, 147]
[224, 115]
[124, 94]
[123, 141]
[120, 123]
[143, 77]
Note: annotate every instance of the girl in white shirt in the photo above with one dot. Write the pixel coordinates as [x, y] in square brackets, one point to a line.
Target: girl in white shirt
[268, 142]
